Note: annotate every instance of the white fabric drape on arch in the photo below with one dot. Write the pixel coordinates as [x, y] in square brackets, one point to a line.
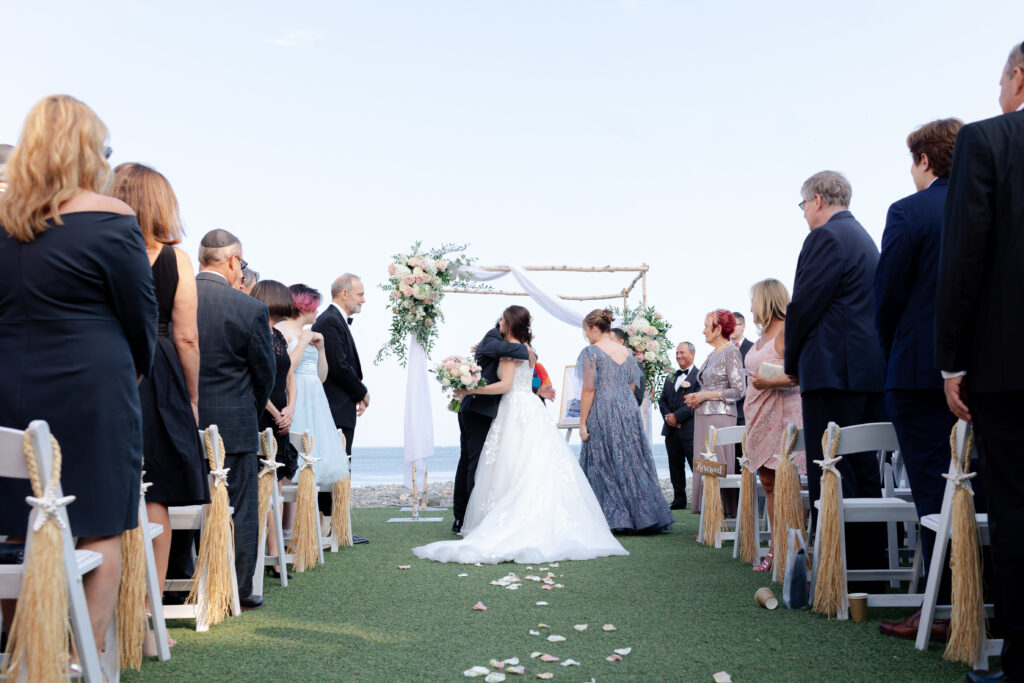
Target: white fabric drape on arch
[419, 426]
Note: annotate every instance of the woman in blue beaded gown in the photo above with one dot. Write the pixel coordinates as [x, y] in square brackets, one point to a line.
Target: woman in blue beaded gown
[312, 411]
[616, 454]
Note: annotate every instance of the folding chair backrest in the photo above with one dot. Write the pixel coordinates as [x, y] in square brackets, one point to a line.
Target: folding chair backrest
[268, 433]
[800, 444]
[12, 458]
[296, 440]
[873, 436]
[728, 436]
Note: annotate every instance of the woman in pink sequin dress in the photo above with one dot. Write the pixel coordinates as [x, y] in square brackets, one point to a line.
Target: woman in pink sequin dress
[772, 401]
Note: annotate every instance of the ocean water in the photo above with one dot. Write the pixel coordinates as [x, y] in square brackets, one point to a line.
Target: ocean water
[374, 466]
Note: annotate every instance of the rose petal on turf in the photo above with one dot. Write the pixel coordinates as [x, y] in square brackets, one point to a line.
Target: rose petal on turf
[540, 603]
[549, 658]
[554, 565]
[609, 627]
[613, 658]
[623, 651]
[534, 655]
[722, 677]
[512, 587]
[495, 664]
[512, 661]
[580, 627]
[543, 626]
[534, 633]
[463, 574]
[476, 672]
[570, 662]
[517, 670]
[405, 566]
[546, 587]
[481, 607]
[558, 585]
[556, 639]
[495, 677]
[546, 676]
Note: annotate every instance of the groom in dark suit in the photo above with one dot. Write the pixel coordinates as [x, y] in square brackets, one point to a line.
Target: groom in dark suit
[678, 429]
[346, 393]
[478, 411]
[980, 288]
[236, 376]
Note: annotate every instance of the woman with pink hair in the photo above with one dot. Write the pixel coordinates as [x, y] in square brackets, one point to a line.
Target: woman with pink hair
[312, 412]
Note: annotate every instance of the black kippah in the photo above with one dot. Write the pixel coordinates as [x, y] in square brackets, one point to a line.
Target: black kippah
[218, 238]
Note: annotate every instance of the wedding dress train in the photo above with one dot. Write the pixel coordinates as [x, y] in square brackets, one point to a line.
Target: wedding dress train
[531, 502]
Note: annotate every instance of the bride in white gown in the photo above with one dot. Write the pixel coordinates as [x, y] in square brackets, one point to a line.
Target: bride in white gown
[531, 502]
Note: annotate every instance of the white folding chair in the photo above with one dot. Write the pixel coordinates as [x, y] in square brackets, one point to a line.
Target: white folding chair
[942, 525]
[157, 623]
[881, 437]
[274, 524]
[77, 563]
[193, 518]
[727, 436]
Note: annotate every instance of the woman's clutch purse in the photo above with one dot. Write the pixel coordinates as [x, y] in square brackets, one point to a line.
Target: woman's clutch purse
[771, 370]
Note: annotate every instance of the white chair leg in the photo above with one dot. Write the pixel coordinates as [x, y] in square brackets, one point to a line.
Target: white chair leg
[277, 521]
[894, 551]
[109, 662]
[156, 605]
[261, 554]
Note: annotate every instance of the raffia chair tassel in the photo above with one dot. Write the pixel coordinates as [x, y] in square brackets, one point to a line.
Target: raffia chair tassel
[714, 515]
[267, 481]
[748, 534]
[967, 620]
[305, 540]
[216, 558]
[830, 584]
[40, 633]
[131, 595]
[788, 509]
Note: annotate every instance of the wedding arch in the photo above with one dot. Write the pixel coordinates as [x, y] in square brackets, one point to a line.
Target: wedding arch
[419, 280]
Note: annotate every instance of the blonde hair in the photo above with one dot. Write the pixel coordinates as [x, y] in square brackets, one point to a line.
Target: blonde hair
[149, 193]
[769, 299]
[60, 152]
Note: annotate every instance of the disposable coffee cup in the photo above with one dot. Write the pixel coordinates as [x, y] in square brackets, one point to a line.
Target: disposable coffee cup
[766, 598]
[858, 606]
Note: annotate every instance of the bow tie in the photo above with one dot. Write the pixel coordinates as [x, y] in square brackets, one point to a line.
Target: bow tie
[348, 320]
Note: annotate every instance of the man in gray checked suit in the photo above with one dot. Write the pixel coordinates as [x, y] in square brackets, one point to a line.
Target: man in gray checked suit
[236, 375]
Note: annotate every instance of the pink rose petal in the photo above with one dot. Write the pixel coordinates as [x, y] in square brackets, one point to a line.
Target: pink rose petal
[480, 607]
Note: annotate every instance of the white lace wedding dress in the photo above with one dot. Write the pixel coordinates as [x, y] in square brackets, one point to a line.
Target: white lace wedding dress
[531, 502]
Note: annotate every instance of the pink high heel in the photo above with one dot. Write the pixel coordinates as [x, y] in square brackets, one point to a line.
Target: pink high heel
[766, 565]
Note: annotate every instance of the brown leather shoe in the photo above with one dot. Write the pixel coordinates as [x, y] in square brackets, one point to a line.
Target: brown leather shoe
[907, 629]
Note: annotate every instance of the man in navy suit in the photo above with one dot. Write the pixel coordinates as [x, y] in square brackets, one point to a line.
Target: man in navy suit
[905, 317]
[980, 289]
[346, 393]
[678, 428]
[832, 346]
[236, 376]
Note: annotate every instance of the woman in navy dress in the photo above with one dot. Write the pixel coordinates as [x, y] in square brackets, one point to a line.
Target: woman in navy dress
[616, 454]
[78, 321]
[173, 457]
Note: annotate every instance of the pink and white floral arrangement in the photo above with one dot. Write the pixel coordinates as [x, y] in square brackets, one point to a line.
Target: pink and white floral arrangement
[647, 337]
[456, 372]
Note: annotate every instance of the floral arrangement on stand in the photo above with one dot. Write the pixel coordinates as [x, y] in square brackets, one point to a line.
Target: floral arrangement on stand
[456, 372]
[415, 285]
[647, 337]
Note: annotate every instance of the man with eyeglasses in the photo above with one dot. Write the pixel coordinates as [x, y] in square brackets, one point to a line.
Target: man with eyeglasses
[833, 348]
[980, 290]
[236, 374]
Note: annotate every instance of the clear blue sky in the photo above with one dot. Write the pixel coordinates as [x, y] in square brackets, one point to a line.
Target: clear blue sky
[331, 135]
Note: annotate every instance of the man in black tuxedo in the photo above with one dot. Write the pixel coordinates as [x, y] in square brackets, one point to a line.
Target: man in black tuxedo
[236, 376]
[980, 289]
[475, 418]
[832, 346]
[905, 318]
[678, 429]
[346, 393]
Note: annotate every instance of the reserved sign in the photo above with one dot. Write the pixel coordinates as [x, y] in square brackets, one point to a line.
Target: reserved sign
[709, 468]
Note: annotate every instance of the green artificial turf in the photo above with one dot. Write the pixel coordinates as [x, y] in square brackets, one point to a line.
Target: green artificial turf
[686, 611]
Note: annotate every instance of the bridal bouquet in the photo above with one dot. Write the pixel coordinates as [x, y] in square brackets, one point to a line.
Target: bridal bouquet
[456, 372]
[415, 287]
[647, 337]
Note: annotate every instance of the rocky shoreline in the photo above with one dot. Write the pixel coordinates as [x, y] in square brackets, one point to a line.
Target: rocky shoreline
[438, 495]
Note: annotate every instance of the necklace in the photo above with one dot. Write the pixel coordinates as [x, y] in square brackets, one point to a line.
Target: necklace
[721, 348]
